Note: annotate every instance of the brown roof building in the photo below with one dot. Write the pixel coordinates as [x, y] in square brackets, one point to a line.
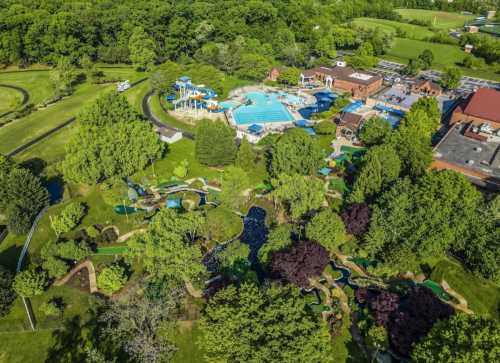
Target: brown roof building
[427, 87]
[349, 124]
[273, 74]
[481, 107]
[360, 83]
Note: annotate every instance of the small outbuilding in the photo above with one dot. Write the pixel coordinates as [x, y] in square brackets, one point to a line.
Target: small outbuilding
[169, 136]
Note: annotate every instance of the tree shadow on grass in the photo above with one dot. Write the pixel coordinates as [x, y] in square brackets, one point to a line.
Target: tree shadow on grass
[9, 257]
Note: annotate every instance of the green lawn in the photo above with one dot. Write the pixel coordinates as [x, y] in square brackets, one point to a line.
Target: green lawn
[186, 339]
[445, 55]
[389, 26]
[25, 347]
[36, 82]
[35, 124]
[9, 99]
[438, 19]
[482, 295]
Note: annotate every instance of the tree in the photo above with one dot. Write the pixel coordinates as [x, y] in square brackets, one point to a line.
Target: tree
[142, 49]
[111, 279]
[356, 218]
[246, 156]
[451, 78]
[63, 77]
[299, 194]
[279, 239]
[375, 131]
[181, 170]
[89, 68]
[298, 264]
[326, 127]
[55, 267]
[222, 224]
[69, 218]
[253, 67]
[132, 328]
[426, 58]
[72, 250]
[248, 324]
[112, 141]
[50, 308]
[289, 76]
[7, 294]
[327, 229]
[380, 167]
[415, 318]
[234, 261]
[163, 79]
[296, 152]
[30, 283]
[234, 184]
[22, 196]
[180, 258]
[462, 338]
[214, 144]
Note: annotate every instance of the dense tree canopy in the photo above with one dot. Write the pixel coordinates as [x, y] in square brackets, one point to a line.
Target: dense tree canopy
[327, 228]
[215, 144]
[278, 239]
[112, 141]
[167, 249]
[249, 324]
[7, 294]
[296, 152]
[22, 195]
[375, 131]
[461, 339]
[299, 263]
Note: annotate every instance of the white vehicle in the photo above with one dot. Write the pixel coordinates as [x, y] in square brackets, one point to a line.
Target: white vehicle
[123, 86]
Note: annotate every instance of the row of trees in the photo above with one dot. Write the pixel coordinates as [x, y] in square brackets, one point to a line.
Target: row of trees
[223, 33]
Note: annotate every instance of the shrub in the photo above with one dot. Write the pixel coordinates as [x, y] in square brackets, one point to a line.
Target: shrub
[111, 279]
[68, 219]
[7, 294]
[30, 283]
[50, 308]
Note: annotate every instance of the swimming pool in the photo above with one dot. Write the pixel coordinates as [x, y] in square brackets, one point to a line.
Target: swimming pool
[262, 107]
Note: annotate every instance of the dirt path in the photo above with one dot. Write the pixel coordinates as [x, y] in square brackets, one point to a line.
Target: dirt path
[462, 303]
[339, 293]
[192, 290]
[349, 264]
[92, 276]
[126, 236]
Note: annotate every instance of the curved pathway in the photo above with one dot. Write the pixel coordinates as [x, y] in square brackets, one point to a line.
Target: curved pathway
[26, 97]
[146, 109]
[92, 276]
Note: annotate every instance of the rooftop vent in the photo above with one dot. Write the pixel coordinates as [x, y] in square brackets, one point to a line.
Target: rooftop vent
[478, 149]
[470, 162]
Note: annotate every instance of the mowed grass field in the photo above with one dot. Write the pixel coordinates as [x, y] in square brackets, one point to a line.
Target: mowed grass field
[438, 19]
[9, 99]
[35, 82]
[26, 129]
[445, 55]
[389, 26]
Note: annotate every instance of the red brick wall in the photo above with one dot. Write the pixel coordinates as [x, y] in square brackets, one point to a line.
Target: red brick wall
[458, 116]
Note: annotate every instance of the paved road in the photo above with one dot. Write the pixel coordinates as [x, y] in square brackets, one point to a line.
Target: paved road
[146, 109]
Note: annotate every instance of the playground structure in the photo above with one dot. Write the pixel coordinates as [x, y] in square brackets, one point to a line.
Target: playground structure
[193, 97]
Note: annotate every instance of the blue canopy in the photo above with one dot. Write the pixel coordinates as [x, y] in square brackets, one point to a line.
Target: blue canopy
[302, 123]
[170, 97]
[173, 203]
[353, 106]
[325, 171]
[395, 111]
[184, 79]
[255, 129]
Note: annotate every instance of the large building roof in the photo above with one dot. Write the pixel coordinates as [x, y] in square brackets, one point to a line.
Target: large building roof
[468, 153]
[483, 104]
[344, 73]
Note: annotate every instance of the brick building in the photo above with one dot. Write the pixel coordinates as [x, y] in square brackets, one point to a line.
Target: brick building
[427, 87]
[481, 108]
[361, 84]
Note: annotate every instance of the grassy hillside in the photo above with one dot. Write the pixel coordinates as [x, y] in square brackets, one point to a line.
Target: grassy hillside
[9, 99]
[438, 19]
[389, 26]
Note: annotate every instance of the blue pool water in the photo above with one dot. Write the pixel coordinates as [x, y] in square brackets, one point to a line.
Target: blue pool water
[261, 107]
